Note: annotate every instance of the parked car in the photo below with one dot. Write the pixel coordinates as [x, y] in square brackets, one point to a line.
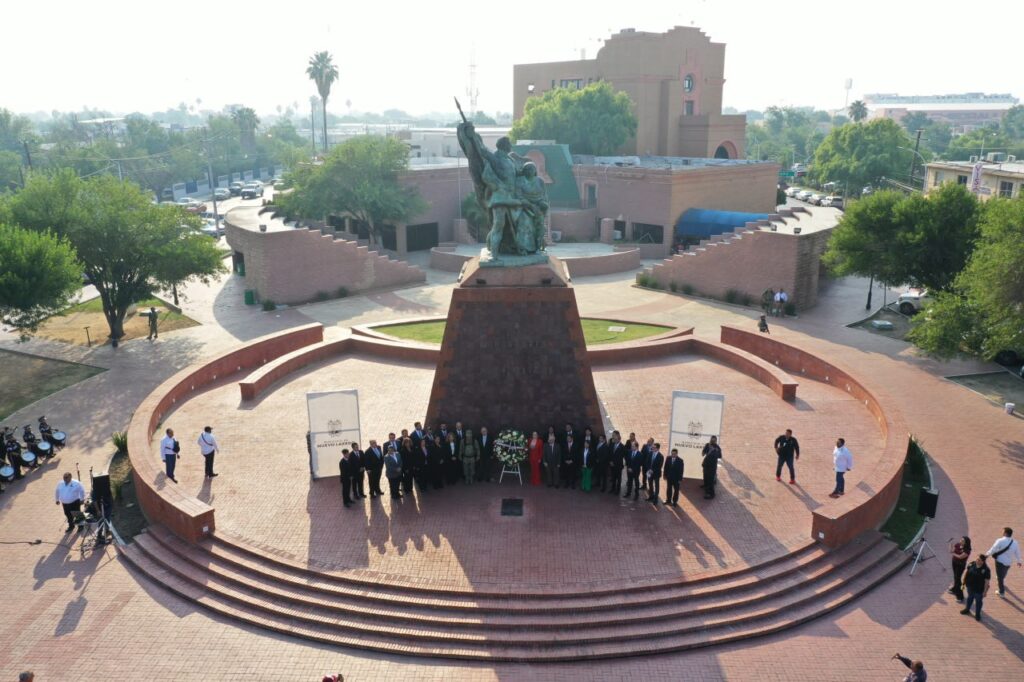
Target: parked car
[804, 195]
[912, 301]
[792, 191]
[210, 229]
[252, 190]
[220, 194]
[867, 191]
[280, 183]
[816, 199]
[167, 195]
[191, 205]
[833, 200]
[236, 188]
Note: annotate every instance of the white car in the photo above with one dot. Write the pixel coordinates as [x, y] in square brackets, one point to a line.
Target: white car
[792, 191]
[912, 301]
[816, 199]
[834, 201]
[804, 195]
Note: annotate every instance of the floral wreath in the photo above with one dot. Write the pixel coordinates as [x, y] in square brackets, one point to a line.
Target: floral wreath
[510, 447]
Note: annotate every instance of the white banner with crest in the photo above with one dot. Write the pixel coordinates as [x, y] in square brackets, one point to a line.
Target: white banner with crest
[333, 425]
[695, 417]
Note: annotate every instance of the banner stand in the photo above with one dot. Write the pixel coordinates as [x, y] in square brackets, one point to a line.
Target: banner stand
[694, 418]
[333, 426]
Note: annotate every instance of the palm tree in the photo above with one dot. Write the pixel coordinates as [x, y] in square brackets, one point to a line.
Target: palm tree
[323, 72]
[246, 120]
[858, 111]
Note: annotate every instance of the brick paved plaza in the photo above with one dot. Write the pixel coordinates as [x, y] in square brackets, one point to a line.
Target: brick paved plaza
[86, 618]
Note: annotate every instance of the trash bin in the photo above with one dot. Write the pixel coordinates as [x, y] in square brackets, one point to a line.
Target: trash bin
[1010, 407]
[250, 297]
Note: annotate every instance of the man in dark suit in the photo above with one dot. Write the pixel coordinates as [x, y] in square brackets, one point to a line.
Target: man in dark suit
[358, 472]
[673, 477]
[443, 430]
[709, 465]
[601, 460]
[645, 479]
[460, 433]
[617, 452]
[568, 433]
[418, 434]
[484, 467]
[570, 462]
[345, 468]
[373, 460]
[393, 470]
[634, 467]
[392, 442]
[654, 467]
[552, 459]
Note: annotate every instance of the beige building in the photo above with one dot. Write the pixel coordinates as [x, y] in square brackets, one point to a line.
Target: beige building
[987, 179]
[675, 80]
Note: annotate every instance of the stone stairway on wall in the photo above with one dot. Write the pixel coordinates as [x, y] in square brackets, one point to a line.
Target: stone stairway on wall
[524, 623]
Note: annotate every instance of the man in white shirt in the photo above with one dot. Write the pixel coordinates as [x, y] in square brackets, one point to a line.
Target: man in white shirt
[843, 462]
[208, 447]
[169, 453]
[1005, 551]
[71, 495]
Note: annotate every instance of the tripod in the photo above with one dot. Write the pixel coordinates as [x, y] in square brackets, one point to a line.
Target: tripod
[922, 544]
[96, 531]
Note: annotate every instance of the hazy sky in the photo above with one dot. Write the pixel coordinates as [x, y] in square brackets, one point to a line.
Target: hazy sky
[147, 56]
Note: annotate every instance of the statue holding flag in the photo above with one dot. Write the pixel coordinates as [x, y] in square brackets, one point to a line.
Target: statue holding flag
[512, 194]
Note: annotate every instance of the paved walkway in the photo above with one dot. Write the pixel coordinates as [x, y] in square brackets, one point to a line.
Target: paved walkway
[89, 618]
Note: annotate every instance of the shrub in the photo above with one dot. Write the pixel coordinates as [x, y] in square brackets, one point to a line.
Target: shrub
[120, 441]
[746, 299]
[673, 286]
[688, 289]
[321, 296]
[915, 458]
[789, 309]
[732, 296]
[342, 292]
[269, 305]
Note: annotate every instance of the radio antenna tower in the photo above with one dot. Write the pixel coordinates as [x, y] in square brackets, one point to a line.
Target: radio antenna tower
[472, 92]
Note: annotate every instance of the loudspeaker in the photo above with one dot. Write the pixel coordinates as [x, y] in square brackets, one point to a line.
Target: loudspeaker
[928, 502]
[101, 487]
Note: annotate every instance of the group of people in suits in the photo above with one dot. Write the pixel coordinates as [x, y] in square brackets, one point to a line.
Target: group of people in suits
[430, 459]
[564, 458]
[423, 458]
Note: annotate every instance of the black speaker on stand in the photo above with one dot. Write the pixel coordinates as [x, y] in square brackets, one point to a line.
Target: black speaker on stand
[927, 505]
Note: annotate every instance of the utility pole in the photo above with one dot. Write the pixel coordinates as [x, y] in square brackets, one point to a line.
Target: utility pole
[213, 189]
[28, 154]
[913, 159]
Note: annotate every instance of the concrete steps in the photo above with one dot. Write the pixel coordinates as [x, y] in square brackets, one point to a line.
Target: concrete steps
[567, 624]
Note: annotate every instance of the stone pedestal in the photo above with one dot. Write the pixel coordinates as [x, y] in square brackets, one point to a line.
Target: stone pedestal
[513, 354]
[607, 231]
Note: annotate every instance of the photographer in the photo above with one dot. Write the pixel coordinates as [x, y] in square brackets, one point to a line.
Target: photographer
[917, 672]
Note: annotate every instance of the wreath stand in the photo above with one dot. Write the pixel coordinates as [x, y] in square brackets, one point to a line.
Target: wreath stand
[514, 470]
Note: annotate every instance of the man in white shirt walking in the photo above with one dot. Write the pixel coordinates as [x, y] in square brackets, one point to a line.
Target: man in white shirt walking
[71, 495]
[1005, 551]
[169, 453]
[208, 446]
[843, 461]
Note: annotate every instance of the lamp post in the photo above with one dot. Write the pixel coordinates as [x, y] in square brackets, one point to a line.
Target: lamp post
[913, 160]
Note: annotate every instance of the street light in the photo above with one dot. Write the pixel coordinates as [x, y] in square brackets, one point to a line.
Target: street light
[913, 162]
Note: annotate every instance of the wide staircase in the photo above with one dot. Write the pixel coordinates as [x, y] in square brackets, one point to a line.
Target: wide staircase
[522, 624]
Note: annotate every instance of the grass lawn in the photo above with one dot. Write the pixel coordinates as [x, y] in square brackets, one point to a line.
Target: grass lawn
[128, 517]
[900, 324]
[594, 331]
[70, 325]
[998, 387]
[25, 379]
[904, 522]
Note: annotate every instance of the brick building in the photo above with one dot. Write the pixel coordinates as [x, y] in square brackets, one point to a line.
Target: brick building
[674, 79]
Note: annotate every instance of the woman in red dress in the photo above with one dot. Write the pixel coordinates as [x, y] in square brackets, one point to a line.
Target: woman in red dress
[536, 446]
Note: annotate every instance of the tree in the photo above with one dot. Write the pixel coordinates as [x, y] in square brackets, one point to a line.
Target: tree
[246, 120]
[39, 274]
[861, 242]
[977, 142]
[127, 246]
[476, 216]
[323, 72]
[358, 179]
[898, 239]
[1012, 123]
[595, 120]
[860, 154]
[858, 111]
[983, 314]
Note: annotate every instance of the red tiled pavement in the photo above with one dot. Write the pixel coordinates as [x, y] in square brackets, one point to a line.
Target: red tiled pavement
[90, 619]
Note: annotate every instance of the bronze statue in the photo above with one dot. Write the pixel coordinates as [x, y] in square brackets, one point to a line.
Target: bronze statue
[515, 198]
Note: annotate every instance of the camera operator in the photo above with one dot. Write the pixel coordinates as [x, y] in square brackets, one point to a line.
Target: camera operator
[917, 672]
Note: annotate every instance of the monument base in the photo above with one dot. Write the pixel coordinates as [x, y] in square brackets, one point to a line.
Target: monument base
[513, 354]
[488, 260]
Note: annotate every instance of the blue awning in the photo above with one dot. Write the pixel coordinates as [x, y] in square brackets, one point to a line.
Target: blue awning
[706, 222]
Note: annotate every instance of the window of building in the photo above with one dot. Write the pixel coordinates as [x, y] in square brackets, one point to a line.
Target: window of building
[645, 233]
[575, 83]
[961, 179]
[688, 107]
[937, 179]
[1005, 189]
[688, 82]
